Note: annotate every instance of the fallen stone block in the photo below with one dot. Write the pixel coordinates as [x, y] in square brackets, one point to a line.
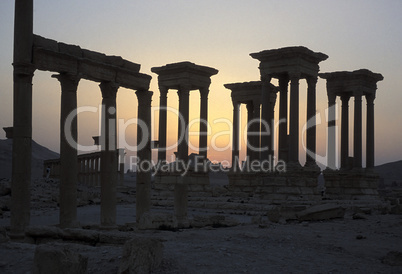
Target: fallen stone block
[321, 212]
[212, 220]
[50, 258]
[81, 235]
[157, 221]
[44, 232]
[141, 255]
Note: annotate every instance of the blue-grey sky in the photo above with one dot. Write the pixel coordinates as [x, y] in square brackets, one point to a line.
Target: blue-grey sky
[221, 34]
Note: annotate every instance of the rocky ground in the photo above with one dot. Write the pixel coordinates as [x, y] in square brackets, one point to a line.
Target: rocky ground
[337, 246]
[368, 242]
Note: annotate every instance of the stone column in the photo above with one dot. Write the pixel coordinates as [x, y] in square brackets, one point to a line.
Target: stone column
[272, 114]
[144, 172]
[162, 123]
[121, 166]
[283, 117]
[294, 118]
[256, 131]
[357, 138]
[235, 136]
[266, 116]
[345, 131]
[68, 150]
[311, 121]
[87, 171]
[250, 114]
[370, 131]
[22, 118]
[108, 155]
[331, 135]
[203, 149]
[97, 159]
[182, 149]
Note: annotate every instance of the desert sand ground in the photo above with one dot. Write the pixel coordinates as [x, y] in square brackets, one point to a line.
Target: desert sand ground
[345, 245]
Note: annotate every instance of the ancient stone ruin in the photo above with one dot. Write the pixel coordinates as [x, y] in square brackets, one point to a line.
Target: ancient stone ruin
[71, 63]
[261, 178]
[267, 204]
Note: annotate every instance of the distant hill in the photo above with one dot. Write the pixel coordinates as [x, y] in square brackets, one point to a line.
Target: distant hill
[39, 153]
[391, 173]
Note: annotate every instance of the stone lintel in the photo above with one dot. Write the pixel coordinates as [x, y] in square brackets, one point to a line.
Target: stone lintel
[249, 91]
[187, 74]
[59, 57]
[349, 82]
[47, 60]
[301, 60]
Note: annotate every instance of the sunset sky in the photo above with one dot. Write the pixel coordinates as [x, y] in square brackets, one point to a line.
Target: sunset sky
[219, 34]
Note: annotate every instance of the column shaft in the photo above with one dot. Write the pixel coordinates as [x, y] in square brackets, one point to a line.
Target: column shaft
[311, 121]
[109, 161]
[235, 136]
[162, 123]
[331, 146]
[182, 149]
[283, 117]
[256, 131]
[272, 125]
[266, 118]
[357, 141]
[68, 150]
[143, 185]
[250, 114]
[203, 149]
[345, 131]
[22, 118]
[370, 131]
[294, 119]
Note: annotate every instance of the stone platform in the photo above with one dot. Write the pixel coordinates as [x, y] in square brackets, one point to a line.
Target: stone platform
[198, 182]
[301, 185]
[351, 184]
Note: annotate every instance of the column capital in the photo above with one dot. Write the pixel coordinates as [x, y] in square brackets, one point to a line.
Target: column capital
[144, 97]
[283, 78]
[235, 103]
[266, 78]
[312, 80]
[331, 97]
[24, 69]
[183, 90]
[250, 106]
[294, 75]
[109, 89]
[345, 98]
[68, 81]
[163, 90]
[358, 95]
[370, 98]
[204, 92]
